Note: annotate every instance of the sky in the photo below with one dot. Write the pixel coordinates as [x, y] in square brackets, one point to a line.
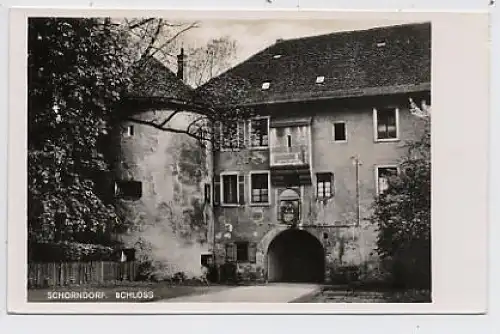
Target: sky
[253, 36]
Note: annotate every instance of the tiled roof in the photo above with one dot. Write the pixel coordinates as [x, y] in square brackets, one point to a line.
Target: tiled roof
[153, 80]
[343, 64]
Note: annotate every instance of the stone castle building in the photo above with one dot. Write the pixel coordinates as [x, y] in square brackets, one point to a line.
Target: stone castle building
[290, 201]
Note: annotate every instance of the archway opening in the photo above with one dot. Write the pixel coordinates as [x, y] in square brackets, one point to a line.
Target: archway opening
[295, 256]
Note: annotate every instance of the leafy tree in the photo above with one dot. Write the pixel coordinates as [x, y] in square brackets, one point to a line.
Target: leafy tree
[76, 74]
[403, 216]
[79, 71]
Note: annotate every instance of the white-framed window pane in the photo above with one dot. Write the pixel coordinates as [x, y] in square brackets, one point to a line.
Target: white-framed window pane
[386, 124]
[259, 135]
[260, 188]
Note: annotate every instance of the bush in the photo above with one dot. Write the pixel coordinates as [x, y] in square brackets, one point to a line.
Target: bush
[403, 216]
[70, 251]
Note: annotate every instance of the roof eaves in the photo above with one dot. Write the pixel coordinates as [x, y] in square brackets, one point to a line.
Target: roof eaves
[339, 94]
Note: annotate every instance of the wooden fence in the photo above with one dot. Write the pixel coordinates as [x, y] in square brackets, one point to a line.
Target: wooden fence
[78, 273]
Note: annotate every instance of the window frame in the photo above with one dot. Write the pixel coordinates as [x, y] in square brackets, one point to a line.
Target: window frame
[246, 246]
[240, 127]
[267, 118]
[127, 197]
[250, 188]
[222, 199]
[377, 167]
[323, 198]
[375, 125]
[345, 132]
[129, 131]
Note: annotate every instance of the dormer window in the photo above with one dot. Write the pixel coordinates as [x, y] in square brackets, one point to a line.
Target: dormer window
[320, 79]
[380, 44]
[265, 85]
[278, 56]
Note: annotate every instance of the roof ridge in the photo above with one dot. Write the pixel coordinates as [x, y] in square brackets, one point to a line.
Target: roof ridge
[349, 32]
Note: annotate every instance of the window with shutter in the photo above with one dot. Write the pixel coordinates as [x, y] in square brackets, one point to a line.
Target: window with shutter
[231, 252]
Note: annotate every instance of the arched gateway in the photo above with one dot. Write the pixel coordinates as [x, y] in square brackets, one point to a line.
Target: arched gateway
[295, 255]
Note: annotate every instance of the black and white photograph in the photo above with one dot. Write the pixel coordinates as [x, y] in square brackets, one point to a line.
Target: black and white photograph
[225, 160]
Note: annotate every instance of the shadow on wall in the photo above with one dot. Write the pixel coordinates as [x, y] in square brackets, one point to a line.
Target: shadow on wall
[167, 226]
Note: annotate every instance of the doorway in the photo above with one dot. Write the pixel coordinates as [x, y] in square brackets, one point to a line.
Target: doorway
[295, 256]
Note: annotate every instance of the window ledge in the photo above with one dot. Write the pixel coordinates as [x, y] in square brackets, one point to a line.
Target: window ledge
[229, 205]
[339, 141]
[260, 204]
[387, 140]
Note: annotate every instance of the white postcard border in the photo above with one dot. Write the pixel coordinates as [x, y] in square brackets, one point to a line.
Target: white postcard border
[460, 97]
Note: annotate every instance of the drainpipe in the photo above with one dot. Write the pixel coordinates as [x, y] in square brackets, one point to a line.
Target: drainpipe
[358, 205]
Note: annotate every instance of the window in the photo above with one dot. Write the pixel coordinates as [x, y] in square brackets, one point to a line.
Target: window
[232, 135]
[324, 185]
[231, 252]
[339, 132]
[320, 79]
[233, 188]
[230, 189]
[129, 131]
[386, 123]
[383, 176]
[259, 132]
[259, 187]
[242, 251]
[289, 140]
[265, 85]
[128, 189]
[207, 192]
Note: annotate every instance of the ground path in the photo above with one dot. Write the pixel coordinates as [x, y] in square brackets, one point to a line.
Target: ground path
[270, 293]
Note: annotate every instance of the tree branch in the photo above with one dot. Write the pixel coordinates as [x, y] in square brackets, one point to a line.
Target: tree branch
[169, 118]
[139, 24]
[171, 39]
[167, 129]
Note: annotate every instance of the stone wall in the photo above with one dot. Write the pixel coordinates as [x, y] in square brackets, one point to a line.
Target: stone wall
[168, 223]
[347, 242]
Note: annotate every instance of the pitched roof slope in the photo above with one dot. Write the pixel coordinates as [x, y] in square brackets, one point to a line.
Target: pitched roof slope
[353, 63]
[153, 80]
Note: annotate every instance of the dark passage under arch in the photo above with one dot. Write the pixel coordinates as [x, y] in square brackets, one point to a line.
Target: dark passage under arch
[295, 256]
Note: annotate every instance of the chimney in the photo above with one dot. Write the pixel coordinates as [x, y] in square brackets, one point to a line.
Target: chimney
[181, 59]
